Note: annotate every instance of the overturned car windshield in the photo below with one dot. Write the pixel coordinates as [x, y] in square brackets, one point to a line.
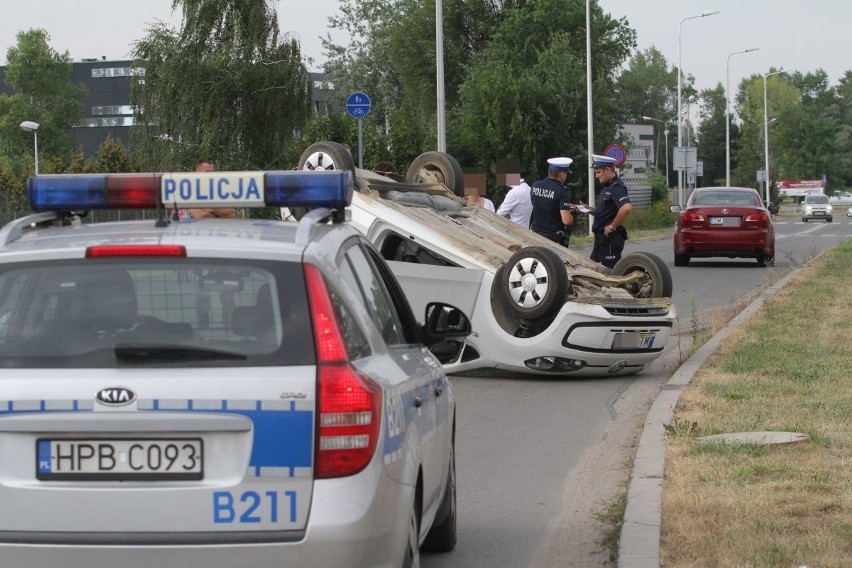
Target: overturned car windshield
[153, 311]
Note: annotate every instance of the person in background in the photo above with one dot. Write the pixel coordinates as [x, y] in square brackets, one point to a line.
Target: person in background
[517, 204]
[551, 203]
[204, 166]
[610, 210]
[474, 189]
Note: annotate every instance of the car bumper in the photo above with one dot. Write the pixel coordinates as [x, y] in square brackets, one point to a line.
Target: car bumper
[738, 244]
[366, 532]
[598, 343]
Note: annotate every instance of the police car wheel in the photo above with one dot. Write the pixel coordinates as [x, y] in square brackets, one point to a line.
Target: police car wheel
[534, 283]
[323, 156]
[657, 282]
[437, 167]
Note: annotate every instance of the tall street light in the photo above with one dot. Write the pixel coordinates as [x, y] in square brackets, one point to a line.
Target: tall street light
[766, 130]
[31, 126]
[439, 71]
[679, 81]
[666, 136]
[728, 115]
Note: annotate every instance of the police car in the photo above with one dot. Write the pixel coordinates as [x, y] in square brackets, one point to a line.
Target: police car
[535, 307]
[215, 392]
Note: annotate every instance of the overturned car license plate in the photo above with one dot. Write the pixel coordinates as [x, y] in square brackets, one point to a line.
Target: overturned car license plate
[634, 340]
[120, 459]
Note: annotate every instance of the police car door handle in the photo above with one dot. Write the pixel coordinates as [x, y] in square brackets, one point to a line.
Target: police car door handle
[439, 391]
[418, 401]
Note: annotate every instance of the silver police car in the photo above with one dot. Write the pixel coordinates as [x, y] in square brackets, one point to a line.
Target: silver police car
[215, 392]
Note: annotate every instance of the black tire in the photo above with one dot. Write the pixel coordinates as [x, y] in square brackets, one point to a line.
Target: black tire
[829, 219]
[804, 219]
[322, 156]
[534, 283]
[681, 259]
[658, 283]
[437, 167]
[765, 260]
[442, 537]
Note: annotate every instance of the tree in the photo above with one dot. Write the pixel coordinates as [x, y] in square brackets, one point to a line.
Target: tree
[525, 97]
[647, 87]
[43, 92]
[711, 133]
[225, 86]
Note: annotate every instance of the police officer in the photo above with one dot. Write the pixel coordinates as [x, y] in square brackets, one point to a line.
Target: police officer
[611, 209]
[551, 203]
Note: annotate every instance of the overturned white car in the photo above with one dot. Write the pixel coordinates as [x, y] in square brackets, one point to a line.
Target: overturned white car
[535, 307]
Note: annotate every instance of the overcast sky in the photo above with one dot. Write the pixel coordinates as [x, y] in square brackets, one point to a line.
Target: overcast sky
[800, 35]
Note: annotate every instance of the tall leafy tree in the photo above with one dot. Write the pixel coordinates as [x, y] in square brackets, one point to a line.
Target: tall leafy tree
[225, 86]
[711, 134]
[525, 97]
[648, 87]
[43, 92]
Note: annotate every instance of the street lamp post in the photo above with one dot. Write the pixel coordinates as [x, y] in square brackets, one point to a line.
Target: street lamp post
[679, 80]
[666, 136]
[728, 114]
[766, 130]
[31, 126]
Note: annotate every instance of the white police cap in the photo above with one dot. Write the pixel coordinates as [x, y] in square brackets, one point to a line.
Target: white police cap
[599, 161]
[562, 164]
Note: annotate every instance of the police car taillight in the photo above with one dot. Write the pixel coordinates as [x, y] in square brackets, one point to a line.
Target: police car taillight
[348, 404]
[209, 190]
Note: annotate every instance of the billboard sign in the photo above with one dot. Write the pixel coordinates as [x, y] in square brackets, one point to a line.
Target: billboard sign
[800, 187]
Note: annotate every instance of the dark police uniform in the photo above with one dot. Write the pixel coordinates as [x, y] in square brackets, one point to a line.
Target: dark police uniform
[549, 197]
[607, 250]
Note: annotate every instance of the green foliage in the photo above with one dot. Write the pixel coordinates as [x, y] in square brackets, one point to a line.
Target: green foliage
[41, 91]
[711, 135]
[654, 217]
[525, 97]
[224, 87]
[113, 157]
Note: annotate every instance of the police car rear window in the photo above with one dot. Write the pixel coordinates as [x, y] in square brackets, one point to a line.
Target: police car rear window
[150, 312]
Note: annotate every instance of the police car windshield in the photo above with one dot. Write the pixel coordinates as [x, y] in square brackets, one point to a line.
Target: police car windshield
[104, 313]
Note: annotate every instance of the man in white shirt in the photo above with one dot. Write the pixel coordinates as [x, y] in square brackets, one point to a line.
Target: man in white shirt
[517, 205]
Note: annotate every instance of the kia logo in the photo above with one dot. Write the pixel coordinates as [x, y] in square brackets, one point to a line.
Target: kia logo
[115, 396]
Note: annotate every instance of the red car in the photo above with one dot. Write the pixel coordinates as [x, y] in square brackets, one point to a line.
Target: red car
[724, 221]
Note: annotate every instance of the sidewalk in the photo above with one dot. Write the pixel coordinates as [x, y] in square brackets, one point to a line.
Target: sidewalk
[639, 545]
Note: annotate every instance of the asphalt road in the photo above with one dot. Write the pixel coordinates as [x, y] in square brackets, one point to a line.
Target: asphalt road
[536, 458]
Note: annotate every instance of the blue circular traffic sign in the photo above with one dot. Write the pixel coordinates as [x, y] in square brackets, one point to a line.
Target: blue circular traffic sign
[358, 105]
[618, 153]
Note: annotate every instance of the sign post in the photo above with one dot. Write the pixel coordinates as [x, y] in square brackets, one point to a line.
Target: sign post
[358, 106]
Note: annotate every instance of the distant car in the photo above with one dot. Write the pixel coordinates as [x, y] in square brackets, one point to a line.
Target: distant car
[723, 222]
[216, 392]
[849, 212]
[536, 307]
[841, 198]
[816, 206]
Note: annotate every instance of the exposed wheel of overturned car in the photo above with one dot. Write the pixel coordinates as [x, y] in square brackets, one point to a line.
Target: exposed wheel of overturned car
[437, 167]
[533, 282]
[322, 156]
[657, 279]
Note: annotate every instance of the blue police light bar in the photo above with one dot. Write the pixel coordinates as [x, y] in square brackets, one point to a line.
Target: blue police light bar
[77, 192]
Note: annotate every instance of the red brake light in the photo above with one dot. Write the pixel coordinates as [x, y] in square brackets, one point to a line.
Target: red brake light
[348, 404]
[691, 217]
[135, 250]
[757, 218]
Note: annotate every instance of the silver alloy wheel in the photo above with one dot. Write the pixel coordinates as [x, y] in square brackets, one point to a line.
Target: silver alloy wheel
[528, 282]
[319, 161]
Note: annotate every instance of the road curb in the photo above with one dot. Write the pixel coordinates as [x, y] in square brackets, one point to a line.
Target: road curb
[639, 543]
